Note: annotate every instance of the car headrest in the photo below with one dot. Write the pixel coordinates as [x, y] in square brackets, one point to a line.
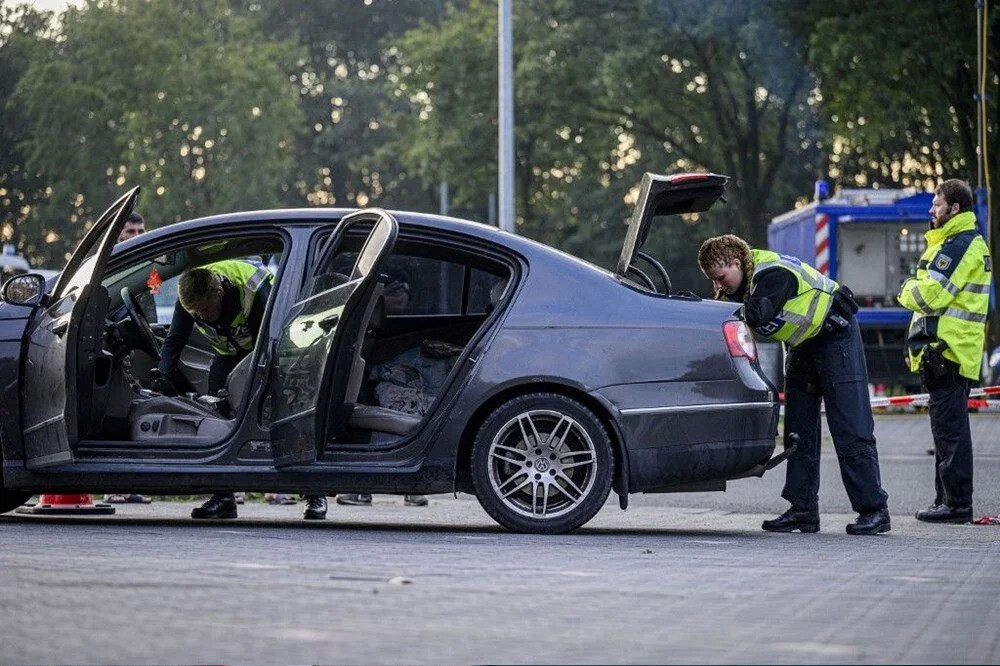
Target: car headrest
[496, 293]
[236, 382]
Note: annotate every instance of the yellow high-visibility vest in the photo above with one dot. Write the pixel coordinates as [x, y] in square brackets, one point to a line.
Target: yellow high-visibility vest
[801, 316]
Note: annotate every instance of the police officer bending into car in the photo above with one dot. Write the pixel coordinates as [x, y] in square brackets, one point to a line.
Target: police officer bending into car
[789, 301]
[949, 297]
[226, 301]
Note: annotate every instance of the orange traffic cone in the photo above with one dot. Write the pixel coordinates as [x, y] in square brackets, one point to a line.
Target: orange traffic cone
[68, 505]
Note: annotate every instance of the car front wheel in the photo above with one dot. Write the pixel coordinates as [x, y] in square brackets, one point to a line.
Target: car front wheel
[542, 463]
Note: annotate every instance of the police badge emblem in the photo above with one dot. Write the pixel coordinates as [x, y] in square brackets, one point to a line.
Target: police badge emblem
[942, 262]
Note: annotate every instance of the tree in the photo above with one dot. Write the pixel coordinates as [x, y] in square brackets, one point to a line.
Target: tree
[900, 89]
[23, 38]
[185, 99]
[345, 92]
[720, 86]
[568, 193]
[607, 90]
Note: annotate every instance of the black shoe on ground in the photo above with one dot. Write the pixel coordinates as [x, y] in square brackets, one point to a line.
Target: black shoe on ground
[315, 508]
[806, 522]
[355, 499]
[219, 505]
[873, 522]
[942, 513]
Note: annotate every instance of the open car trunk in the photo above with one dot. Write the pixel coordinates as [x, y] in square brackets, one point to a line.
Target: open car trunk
[666, 195]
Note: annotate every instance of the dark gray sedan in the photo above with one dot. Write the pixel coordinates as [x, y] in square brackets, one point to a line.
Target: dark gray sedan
[399, 353]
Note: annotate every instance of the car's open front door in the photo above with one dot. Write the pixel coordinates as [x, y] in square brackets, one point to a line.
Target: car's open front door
[65, 367]
[667, 195]
[319, 338]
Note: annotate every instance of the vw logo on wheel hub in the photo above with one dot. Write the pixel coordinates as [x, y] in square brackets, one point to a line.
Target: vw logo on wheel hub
[542, 465]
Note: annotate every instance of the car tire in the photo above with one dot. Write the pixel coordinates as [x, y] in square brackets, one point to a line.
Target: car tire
[542, 463]
[10, 500]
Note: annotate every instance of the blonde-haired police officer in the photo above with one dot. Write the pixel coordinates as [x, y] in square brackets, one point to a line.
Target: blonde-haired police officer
[791, 302]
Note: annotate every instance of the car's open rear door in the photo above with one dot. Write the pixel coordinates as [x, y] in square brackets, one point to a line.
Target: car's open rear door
[319, 337]
[667, 195]
[65, 364]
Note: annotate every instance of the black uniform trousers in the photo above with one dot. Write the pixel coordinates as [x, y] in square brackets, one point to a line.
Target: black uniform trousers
[218, 371]
[831, 366]
[949, 414]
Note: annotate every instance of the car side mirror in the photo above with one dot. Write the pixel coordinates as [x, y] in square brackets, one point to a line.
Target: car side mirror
[27, 289]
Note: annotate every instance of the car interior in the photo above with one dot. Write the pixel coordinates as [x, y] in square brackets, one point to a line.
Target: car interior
[432, 302]
[136, 412]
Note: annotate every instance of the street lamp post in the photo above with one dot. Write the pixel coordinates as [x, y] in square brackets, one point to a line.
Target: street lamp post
[505, 48]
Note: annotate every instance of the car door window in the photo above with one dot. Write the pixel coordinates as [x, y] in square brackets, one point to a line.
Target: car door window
[422, 286]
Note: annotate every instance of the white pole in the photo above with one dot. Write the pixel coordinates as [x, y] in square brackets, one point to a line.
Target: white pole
[506, 114]
[443, 198]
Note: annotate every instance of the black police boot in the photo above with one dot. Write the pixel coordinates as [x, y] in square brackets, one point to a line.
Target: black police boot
[315, 508]
[942, 513]
[219, 505]
[872, 522]
[806, 522]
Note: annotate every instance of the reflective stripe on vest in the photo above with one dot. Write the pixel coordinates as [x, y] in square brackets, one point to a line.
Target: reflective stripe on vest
[802, 316]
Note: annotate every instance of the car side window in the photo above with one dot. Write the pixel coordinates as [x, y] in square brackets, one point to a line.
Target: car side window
[422, 286]
[485, 291]
[165, 300]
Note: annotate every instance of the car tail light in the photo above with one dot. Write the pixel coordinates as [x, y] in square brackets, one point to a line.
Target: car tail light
[739, 340]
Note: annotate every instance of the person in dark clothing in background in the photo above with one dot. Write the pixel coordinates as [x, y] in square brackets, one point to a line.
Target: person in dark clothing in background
[789, 301]
[135, 225]
[226, 300]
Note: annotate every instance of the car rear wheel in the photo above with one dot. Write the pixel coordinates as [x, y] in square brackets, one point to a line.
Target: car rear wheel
[10, 500]
[542, 463]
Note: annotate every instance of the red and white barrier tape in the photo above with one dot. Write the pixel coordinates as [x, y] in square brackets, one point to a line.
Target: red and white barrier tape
[976, 399]
[921, 399]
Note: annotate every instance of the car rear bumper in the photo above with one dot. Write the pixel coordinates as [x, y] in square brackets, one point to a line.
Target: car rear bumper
[671, 446]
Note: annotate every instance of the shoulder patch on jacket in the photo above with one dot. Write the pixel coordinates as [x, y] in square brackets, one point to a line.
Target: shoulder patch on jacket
[952, 251]
[987, 263]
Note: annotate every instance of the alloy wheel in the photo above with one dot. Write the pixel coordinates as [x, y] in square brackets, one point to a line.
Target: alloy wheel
[542, 464]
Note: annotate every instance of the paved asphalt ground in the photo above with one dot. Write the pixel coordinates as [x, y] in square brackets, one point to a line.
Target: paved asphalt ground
[676, 578]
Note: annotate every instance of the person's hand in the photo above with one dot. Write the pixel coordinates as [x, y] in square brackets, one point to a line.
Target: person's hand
[164, 386]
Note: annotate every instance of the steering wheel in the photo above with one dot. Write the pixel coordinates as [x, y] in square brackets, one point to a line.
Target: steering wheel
[147, 340]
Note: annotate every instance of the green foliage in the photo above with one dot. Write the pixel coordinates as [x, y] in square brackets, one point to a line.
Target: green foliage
[377, 102]
[23, 39]
[185, 99]
[603, 92]
[345, 92]
[901, 93]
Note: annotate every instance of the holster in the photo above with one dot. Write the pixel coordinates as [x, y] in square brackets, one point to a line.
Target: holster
[844, 303]
[936, 370]
[841, 311]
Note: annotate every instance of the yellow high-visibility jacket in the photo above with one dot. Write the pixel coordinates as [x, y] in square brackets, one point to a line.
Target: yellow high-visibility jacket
[950, 295]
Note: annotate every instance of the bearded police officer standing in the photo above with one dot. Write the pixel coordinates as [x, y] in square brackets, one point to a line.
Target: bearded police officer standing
[949, 297]
[791, 302]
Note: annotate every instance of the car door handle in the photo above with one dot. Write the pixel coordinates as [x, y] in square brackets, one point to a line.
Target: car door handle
[329, 322]
[60, 329]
